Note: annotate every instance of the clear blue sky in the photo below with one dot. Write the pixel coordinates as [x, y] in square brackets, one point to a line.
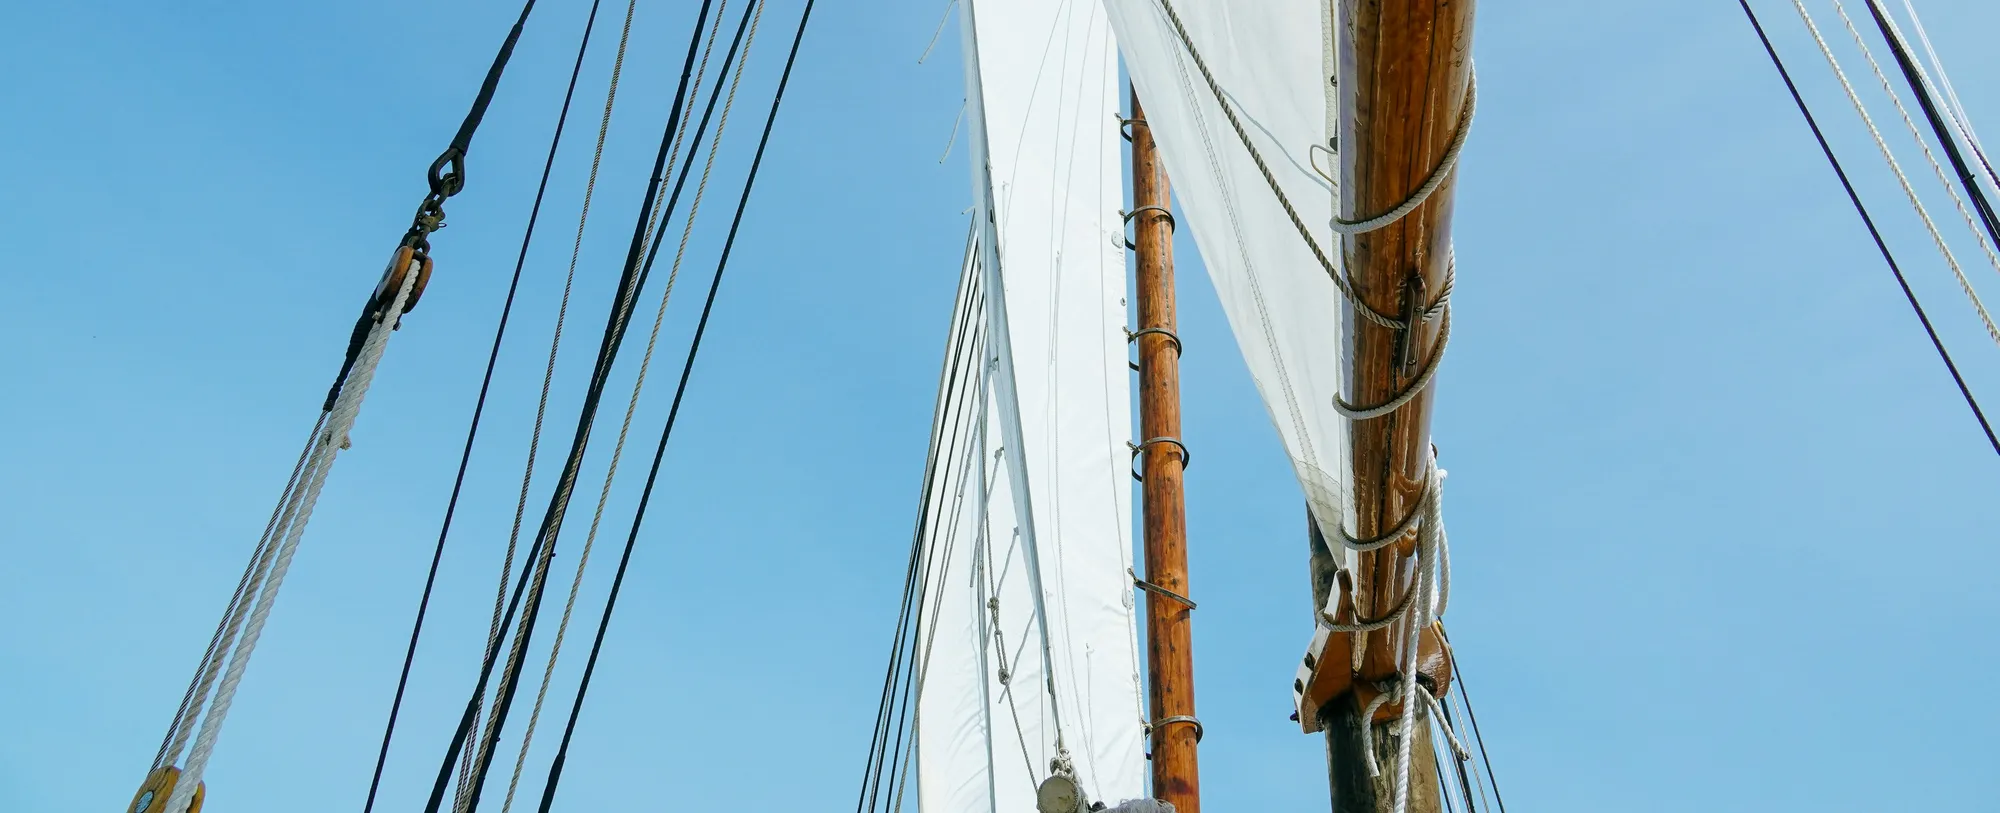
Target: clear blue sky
[1724, 529]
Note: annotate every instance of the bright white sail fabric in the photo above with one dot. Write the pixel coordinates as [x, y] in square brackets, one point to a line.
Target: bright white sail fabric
[1270, 58]
[1032, 465]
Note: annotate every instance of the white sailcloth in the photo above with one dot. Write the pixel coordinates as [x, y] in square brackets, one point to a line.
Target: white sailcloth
[1029, 536]
[1271, 59]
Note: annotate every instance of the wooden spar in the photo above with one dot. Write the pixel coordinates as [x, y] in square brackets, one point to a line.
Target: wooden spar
[1169, 638]
[1404, 70]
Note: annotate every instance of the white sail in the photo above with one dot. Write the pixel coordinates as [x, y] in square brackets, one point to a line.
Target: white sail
[1271, 59]
[1031, 485]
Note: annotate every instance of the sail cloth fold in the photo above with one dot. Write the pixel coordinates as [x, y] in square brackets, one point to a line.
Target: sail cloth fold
[1272, 62]
[1032, 466]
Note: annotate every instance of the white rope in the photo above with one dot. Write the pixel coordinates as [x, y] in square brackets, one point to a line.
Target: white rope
[1422, 605]
[232, 617]
[1896, 168]
[335, 437]
[1911, 125]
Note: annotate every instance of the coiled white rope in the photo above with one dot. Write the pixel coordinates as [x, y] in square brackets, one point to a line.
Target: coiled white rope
[1422, 605]
[297, 512]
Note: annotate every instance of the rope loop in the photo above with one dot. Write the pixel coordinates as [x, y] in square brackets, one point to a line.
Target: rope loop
[1437, 177]
[1410, 393]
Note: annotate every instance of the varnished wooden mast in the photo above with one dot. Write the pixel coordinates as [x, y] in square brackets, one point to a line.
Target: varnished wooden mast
[1404, 68]
[1169, 659]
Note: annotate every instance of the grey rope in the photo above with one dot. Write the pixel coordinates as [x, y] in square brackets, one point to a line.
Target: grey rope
[1410, 521]
[177, 731]
[1410, 392]
[610, 98]
[1431, 184]
[1339, 278]
[298, 511]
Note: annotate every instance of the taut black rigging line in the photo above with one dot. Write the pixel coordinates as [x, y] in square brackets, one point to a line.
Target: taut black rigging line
[1913, 75]
[446, 178]
[673, 412]
[1869, 221]
[492, 359]
[960, 353]
[552, 521]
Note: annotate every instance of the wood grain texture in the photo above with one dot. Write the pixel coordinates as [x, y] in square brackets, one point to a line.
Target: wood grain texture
[1403, 70]
[1169, 636]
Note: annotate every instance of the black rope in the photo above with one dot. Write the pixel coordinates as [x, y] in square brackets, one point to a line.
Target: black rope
[485, 383]
[446, 178]
[1913, 75]
[955, 411]
[673, 413]
[1465, 696]
[448, 171]
[1872, 231]
[552, 520]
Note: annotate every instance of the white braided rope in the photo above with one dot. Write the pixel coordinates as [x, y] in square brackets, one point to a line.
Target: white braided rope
[1421, 606]
[1897, 169]
[297, 513]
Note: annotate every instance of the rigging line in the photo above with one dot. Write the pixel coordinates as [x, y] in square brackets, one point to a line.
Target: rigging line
[1873, 232]
[470, 755]
[538, 585]
[1920, 86]
[919, 658]
[1458, 673]
[479, 405]
[631, 407]
[673, 412]
[1338, 275]
[1000, 644]
[555, 342]
[205, 671]
[942, 19]
[1957, 108]
[1458, 763]
[607, 352]
[956, 352]
[298, 512]
[1897, 169]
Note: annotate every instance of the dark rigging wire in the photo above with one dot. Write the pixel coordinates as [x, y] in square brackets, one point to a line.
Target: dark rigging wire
[673, 412]
[1870, 223]
[551, 521]
[1914, 76]
[492, 359]
[1465, 696]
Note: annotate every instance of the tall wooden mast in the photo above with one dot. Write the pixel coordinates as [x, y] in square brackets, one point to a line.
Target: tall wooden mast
[1404, 71]
[1169, 638]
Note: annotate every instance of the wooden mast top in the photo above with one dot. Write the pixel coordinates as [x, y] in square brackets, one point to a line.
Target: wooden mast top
[1403, 80]
[1404, 70]
[1169, 634]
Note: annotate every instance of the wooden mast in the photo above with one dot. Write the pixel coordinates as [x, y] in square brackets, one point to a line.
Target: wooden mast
[1169, 656]
[1404, 70]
